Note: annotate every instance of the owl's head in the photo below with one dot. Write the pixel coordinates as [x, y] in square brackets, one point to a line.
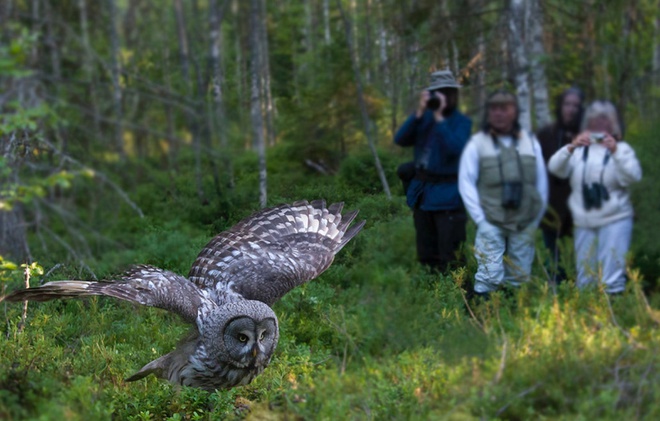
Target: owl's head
[242, 334]
[232, 344]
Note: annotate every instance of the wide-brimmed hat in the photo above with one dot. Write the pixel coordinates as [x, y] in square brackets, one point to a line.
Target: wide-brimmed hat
[442, 79]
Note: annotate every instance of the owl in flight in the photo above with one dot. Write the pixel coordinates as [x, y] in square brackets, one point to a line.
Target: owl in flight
[229, 291]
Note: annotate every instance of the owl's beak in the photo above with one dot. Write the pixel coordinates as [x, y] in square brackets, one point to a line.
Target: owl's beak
[255, 349]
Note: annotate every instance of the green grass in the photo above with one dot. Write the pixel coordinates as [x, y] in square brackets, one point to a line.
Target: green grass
[375, 337]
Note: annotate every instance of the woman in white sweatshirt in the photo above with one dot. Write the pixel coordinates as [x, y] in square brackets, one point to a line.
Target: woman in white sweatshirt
[600, 167]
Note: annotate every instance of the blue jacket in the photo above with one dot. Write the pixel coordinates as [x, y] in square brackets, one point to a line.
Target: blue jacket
[438, 148]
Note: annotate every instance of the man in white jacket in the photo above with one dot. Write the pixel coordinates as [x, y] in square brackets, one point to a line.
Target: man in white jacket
[600, 168]
[503, 183]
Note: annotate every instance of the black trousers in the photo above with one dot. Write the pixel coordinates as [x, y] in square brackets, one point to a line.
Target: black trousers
[556, 271]
[439, 236]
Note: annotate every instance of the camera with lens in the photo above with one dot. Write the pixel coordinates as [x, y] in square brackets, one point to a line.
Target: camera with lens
[512, 194]
[433, 103]
[594, 195]
[596, 137]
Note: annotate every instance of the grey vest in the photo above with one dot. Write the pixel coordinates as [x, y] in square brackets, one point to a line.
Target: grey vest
[518, 164]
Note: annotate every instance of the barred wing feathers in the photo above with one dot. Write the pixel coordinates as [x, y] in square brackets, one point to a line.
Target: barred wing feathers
[146, 285]
[271, 252]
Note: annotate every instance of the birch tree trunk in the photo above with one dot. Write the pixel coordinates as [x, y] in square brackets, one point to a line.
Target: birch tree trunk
[116, 71]
[537, 53]
[174, 143]
[88, 65]
[519, 58]
[203, 116]
[450, 58]
[656, 47]
[397, 74]
[13, 236]
[241, 84]
[308, 38]
[503, 61]
[56, 70]
[258, 139]
[477, 64]
[414, 72]
[354, 28]
[14, 147]
[267, 95]
[216, 15]
[368, 43]
[193, 126]
[480, 89]
[383, 40]
[368, 125]
[13, 240]
[183, 40]
[327, 37]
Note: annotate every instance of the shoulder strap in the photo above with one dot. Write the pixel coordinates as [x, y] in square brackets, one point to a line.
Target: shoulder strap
[496, 142]
[585, 158]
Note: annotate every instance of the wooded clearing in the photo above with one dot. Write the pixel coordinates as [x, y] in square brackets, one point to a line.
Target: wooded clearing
[133, 131]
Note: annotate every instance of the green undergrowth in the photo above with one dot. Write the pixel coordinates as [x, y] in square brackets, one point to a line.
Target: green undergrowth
[374, 337]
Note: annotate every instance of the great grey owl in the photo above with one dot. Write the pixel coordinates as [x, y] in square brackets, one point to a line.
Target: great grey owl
[229, 291]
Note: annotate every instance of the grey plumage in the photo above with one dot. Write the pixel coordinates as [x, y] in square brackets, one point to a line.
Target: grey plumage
[230, 288]
[268, 254]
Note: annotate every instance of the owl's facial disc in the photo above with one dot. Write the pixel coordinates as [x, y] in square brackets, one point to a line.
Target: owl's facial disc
[250, 342]
[266, 330]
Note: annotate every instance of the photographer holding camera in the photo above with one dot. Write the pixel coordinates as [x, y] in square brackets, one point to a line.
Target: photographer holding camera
[438, 132]
[504, 186]
[600, 168]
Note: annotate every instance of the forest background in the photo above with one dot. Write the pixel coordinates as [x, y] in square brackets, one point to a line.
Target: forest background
[132, 131]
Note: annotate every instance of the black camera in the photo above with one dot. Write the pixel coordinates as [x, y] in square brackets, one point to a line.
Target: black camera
[594, 195]
[512, 192]
[596, 137]
[433, 103]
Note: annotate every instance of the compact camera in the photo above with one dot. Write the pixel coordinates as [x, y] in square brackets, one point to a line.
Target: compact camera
[594, 195]
[511, 194]
[433, 103]
[596, 137]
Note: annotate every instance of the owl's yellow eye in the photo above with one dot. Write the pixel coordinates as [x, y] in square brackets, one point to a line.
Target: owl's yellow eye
[261, 337]
[242, 338]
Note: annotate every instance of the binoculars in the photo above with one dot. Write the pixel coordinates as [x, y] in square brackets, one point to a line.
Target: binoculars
[594, 195]
[512, 194]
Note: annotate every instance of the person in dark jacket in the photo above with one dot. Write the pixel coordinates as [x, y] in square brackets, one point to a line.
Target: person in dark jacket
[558, 222]
[438, 132]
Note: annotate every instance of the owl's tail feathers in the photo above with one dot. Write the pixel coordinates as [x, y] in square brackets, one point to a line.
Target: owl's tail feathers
[170, 366]
[351, 232]
[156, 367]
[54, 290]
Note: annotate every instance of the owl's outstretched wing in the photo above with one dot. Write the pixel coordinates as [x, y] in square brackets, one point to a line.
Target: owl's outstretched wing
[273, 251]
[142, 284]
